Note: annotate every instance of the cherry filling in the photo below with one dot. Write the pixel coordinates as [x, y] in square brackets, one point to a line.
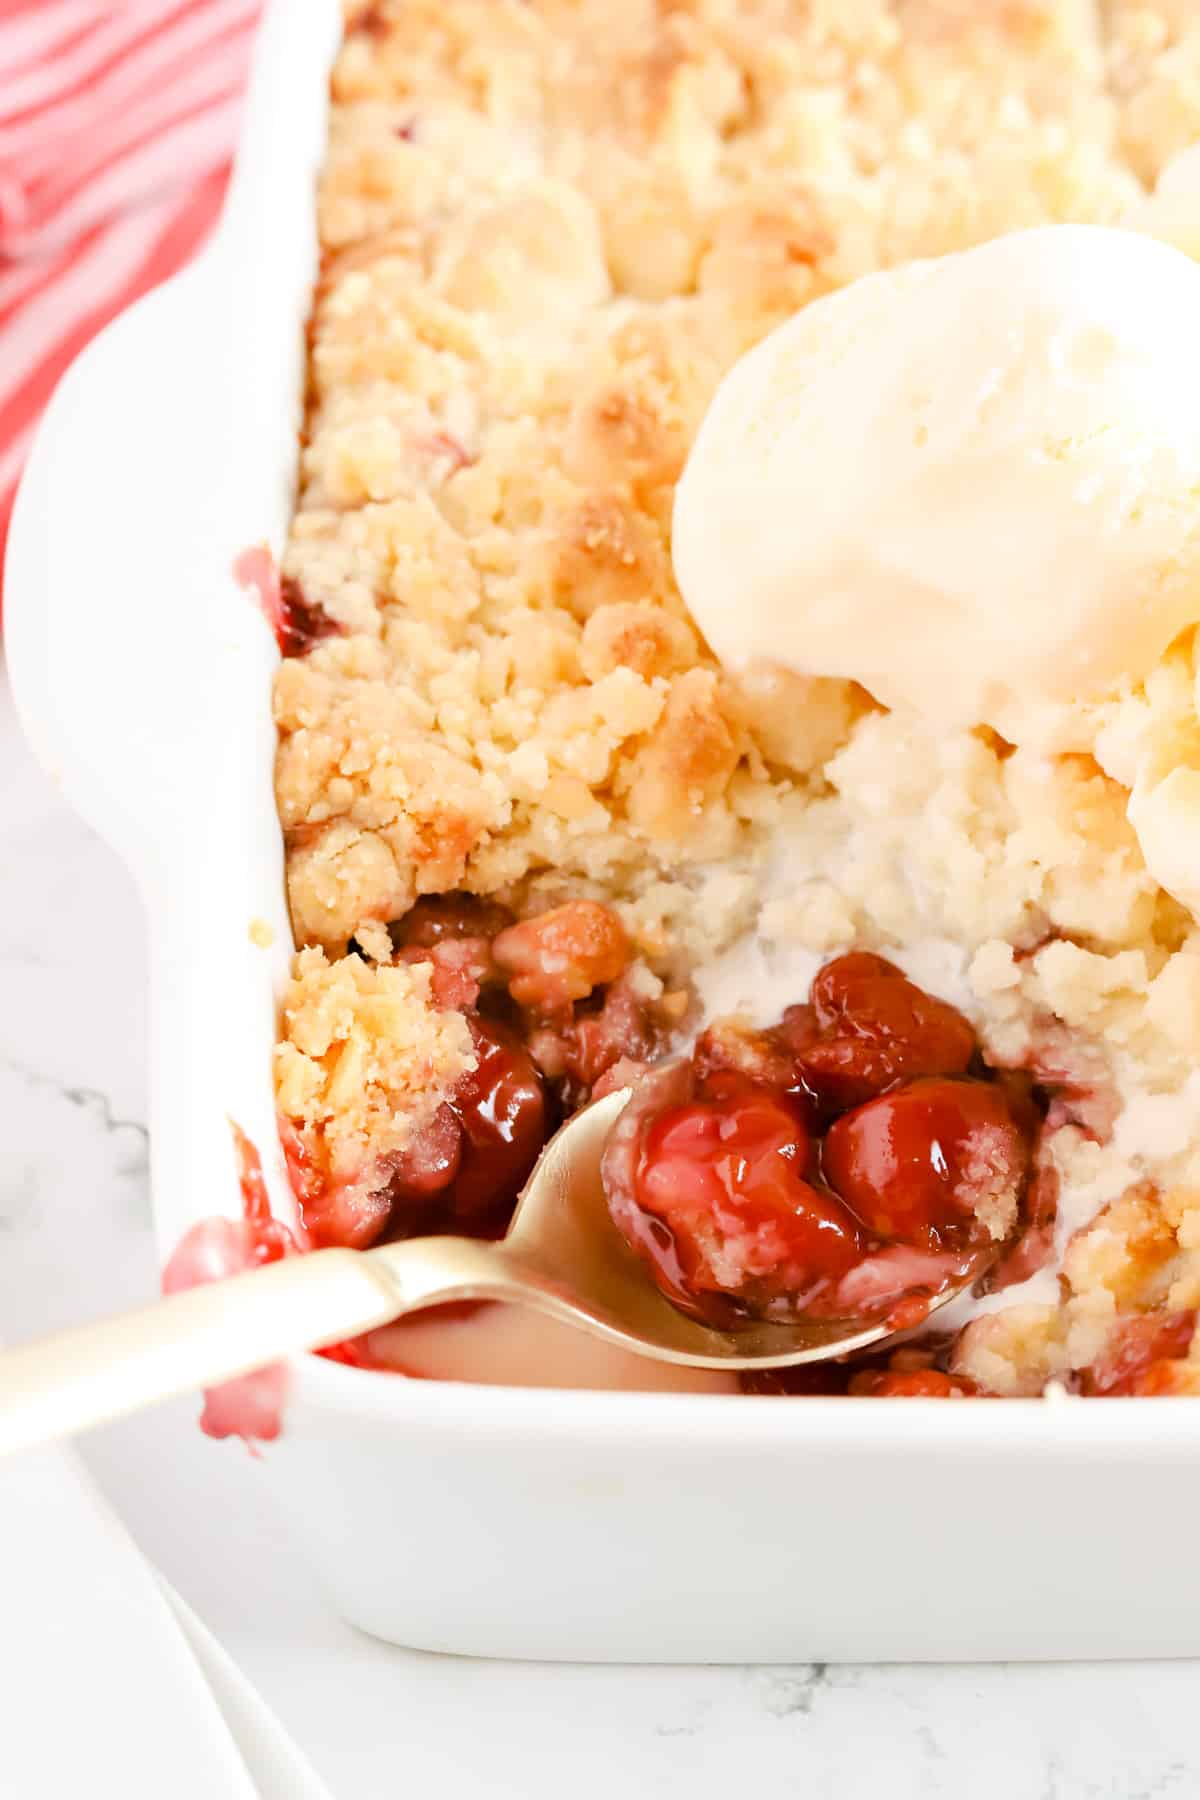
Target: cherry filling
[484, 1141]
[923, 1163]
[726, 1200]
[867, 1027]
[552, 1009]
[1142, 1355]
[852, 1160]
[462, 1173]
[911, 1384]
[297, 622]
[249, 1406]
[842, 1163]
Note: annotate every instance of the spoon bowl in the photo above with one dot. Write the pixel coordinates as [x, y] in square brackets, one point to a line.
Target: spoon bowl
[563, 1254]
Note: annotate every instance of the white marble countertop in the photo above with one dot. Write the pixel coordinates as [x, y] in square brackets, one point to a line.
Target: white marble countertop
[75, 1241]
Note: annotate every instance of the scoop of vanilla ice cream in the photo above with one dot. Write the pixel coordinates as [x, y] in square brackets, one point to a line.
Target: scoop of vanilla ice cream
[1172, 211]
[971, 484]
[1165, 816]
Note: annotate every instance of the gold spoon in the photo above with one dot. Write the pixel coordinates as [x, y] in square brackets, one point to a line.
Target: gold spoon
[562, 1255]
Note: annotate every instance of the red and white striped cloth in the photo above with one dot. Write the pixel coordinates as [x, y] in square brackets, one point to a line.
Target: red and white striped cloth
[117, 121]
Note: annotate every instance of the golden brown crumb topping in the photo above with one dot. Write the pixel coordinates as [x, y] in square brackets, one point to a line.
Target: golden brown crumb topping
[548, 229]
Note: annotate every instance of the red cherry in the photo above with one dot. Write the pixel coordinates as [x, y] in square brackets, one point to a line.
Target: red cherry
[807, 1379]
[715, 1172]
[1139, 1353]
[346, 1213]
[501, 1108]
[453, 933]
[726, 1207]
[925, 1160]
[459, 967]
[430, 1162]
[868, 1027]
[911, 1384]
[436, 917]
[350, 1213]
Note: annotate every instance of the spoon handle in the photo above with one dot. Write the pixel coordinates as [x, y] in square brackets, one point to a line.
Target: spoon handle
[91, 1373]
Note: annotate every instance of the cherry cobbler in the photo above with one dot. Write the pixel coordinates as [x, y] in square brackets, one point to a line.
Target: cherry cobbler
[894, 1003]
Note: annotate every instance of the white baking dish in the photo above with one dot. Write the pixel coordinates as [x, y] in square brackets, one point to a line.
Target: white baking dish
[497, 1521]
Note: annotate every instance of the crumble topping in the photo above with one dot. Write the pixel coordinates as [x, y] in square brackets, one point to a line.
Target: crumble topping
[547, 232]
[365, 1060]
